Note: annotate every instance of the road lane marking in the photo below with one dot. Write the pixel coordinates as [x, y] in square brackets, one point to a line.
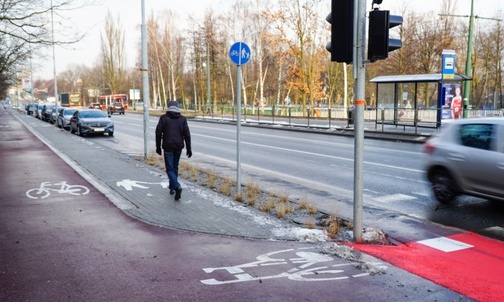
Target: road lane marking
[313, 154]
[445, 244]
[395, 197]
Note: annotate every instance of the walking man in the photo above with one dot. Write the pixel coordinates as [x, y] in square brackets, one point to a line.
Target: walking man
[171, 132]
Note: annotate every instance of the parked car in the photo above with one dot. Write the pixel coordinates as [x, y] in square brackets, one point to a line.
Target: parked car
[45, 113]
[467, 157]
[32, 109]
[27, 109]
[116, 107]
[54, 115]
[64, 116]
[38, 112]
[91, 121]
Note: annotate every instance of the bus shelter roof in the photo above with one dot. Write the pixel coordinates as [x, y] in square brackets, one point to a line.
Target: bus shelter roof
[408, 78]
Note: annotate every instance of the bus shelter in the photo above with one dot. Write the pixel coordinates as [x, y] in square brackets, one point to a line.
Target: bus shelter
[420, 100]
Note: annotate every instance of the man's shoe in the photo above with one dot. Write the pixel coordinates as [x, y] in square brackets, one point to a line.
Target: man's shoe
[172, 191]
[178, 192]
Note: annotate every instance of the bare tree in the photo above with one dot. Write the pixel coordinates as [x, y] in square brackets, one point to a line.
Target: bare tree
[29, 20]
[113, 56]
[297, 25]
[25, 22]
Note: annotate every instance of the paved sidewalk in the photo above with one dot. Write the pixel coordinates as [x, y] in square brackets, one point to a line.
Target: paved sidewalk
[141, 191]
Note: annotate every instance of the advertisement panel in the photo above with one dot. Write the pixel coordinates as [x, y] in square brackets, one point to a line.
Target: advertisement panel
[452, 101]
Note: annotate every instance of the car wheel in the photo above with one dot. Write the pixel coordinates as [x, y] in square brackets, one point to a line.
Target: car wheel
[111, 134]
[443, 187]
[79, 131]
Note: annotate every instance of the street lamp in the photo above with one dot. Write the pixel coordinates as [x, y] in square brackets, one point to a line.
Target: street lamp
[54, 59]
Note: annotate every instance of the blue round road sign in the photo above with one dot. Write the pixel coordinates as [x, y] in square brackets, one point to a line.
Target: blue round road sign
[239, 53]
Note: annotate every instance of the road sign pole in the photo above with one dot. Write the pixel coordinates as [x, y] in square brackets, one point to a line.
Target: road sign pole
[239, 54]
[238, 130]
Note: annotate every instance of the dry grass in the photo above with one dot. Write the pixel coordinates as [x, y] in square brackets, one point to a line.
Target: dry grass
[334, 227]
[211, 178]
[194, 173]
[283, 198]
[281, 210]
[267, 206]
[312, 208]
[310, 223]
[253, 195]
[252, 190]
[303, 203]
[226, 187]
[239, 198]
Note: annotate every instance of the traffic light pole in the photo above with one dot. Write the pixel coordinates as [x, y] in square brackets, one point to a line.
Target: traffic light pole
[360, 82]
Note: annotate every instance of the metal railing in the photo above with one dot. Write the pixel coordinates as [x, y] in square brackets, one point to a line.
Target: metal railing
[383, 119]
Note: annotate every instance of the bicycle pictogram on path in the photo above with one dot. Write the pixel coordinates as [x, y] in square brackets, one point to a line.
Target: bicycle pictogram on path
[46, 188]
[310, 266]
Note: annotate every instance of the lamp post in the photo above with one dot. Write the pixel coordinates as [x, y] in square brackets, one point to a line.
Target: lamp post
[145, 84]
[54, 59]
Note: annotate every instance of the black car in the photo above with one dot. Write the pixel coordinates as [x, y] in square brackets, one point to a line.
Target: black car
[116, 107]
[47, 112]
[32, 109]
[91, 121]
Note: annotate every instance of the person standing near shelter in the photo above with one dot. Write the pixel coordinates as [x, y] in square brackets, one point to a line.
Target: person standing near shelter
[171, 133]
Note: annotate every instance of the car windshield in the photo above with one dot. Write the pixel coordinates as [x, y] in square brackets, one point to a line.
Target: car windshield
[92, 114]
[68, 112]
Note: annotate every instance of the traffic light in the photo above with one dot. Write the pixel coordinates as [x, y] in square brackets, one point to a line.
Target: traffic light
[380, 44]
[342, 24]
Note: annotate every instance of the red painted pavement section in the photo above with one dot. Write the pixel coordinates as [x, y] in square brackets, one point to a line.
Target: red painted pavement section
[476, 272]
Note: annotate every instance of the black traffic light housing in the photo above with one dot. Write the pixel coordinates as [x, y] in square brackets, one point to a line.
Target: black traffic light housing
[342, 25]
[380, 44]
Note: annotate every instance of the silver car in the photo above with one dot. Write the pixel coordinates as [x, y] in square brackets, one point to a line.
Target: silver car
[467, 157]
[64, 116]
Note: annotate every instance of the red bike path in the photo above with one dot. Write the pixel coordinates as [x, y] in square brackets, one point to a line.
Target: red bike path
[466, 262]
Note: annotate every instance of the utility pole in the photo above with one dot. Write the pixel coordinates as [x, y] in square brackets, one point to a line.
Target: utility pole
[208, 77]
[468, 67]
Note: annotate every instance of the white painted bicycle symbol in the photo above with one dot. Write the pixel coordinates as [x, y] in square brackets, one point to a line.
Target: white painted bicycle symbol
[310, 268]
[45, 190]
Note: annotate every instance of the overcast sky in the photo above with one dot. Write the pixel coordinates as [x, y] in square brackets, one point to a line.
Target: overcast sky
[91, 20]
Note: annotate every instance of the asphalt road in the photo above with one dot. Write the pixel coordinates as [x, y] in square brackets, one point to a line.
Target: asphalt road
[82, 248]
[319, 167]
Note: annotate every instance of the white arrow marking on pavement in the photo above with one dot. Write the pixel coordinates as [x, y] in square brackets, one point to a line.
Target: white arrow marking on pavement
[129, 184]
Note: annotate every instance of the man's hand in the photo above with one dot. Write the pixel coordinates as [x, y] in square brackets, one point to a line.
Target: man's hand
[189, 153]
[158, 150]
